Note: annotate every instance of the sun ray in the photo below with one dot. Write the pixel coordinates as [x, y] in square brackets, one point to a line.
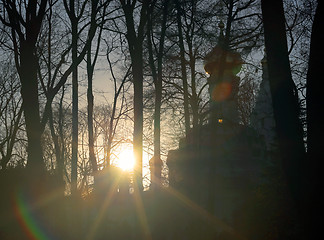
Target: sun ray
[191, 205]
[112, 191]
[141, 213]
[27, 202]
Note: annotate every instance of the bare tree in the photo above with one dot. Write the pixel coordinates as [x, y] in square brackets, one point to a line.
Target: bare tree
[314, 119]
[135, 38]
[285, 103]
[116, 114]
[183, 68]
[75, 11]
[10, 114]
[91, 63]
[156, 165]
[25, 21]
[246, 99]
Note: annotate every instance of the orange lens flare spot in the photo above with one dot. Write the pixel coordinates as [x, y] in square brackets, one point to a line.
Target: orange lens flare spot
[221, 91]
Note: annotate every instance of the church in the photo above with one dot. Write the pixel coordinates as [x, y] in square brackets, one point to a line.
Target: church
[220, 165]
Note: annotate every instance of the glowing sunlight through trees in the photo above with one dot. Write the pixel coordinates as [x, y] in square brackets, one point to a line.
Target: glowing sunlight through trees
[125, 160]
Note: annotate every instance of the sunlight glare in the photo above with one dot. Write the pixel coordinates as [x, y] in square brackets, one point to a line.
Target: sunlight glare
[126, 160]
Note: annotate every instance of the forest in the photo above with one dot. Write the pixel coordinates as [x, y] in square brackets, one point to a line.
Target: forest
[161, 119]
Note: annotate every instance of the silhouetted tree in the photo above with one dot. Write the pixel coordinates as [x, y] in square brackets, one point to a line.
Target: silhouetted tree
[91, 63]
[25, 24]
[156, 69]
[110, 128]
[10, 113]
[183, 67]
[315, 114]
[75, 12]
[285, 99]
[135, 38]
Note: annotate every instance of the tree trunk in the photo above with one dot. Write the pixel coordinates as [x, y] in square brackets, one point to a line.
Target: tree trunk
[285, 100]
[29, 93]
[75, 108]
[11, 140]
[92, 156]
[137, 70]
[192, 64]
[60, 165]
[314, 97]
[56, 146]
[315, 114]
[194, 98]
[58, 156]
[111, 129]
[112, 123]
[28, 29]
[135, 43]
[183, 70]
[156, 165]
[90, 70]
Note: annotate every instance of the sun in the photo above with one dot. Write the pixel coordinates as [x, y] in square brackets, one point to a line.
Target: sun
[126, 160]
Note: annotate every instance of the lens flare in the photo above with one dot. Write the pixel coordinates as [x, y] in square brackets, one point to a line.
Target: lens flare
[26, 215]
[126, 160]
[222, 91]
